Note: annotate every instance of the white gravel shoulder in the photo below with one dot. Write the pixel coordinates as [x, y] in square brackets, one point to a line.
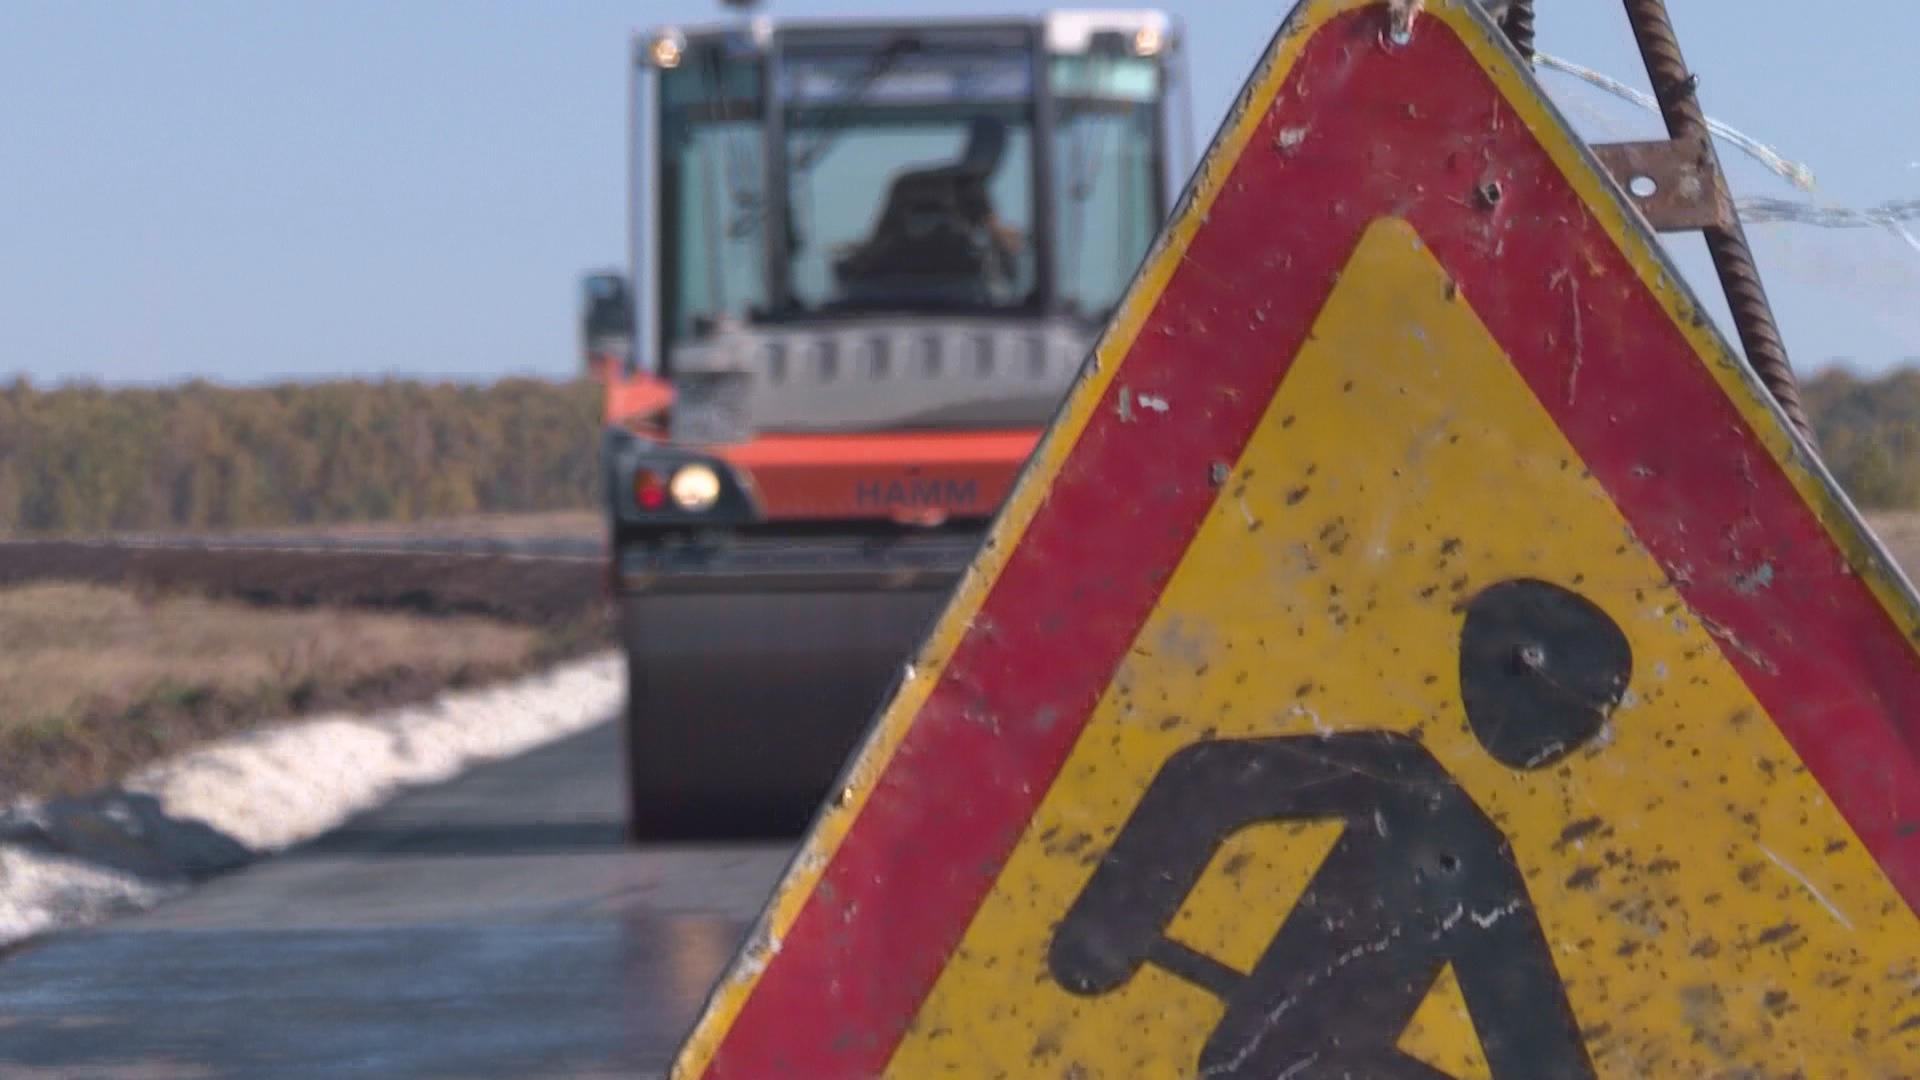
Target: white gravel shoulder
[74, 862]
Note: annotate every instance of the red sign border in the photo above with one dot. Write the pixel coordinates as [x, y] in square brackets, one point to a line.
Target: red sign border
[1818, 649]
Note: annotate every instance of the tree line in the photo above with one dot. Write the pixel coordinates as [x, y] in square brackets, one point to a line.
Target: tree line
[1869, 434]
[81, 458]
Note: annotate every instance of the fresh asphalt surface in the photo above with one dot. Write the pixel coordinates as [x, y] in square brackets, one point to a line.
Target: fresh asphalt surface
[494, 926]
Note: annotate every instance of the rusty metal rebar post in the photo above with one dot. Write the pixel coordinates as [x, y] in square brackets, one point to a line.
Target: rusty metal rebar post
[1673, 88]
[1518, 23]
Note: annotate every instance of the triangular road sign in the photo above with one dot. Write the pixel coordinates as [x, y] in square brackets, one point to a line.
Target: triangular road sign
[1414, 588]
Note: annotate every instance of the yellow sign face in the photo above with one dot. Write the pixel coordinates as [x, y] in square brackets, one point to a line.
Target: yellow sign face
[1688, 888]
[1419, 648]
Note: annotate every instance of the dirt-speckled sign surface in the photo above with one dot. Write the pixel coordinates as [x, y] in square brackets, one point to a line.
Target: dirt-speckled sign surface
[1418, 649]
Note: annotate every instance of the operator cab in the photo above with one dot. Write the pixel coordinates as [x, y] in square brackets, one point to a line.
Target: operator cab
[870, 258]
[876, 226]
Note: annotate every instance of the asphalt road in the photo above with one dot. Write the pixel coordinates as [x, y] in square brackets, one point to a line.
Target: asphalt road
[489, 927]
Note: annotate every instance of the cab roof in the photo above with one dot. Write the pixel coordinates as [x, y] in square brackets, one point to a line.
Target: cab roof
[1067, 30]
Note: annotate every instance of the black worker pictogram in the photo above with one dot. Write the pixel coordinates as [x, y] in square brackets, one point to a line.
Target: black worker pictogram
[1420, 878]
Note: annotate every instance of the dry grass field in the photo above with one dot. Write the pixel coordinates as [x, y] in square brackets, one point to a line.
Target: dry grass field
[64, 646]
[96, 681]
[1900, 531]
[555, 524]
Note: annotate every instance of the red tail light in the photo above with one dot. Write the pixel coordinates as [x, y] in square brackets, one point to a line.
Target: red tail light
[649, 490]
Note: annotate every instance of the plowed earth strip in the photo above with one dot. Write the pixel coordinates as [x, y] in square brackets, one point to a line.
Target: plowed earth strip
[526, 590]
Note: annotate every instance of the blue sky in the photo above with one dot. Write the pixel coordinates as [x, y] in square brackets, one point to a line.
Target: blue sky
[250, 192]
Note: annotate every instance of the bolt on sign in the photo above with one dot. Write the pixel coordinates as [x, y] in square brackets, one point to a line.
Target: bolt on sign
[1466, 674]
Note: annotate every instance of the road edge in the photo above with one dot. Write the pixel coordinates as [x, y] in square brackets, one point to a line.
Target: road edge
[71, 863]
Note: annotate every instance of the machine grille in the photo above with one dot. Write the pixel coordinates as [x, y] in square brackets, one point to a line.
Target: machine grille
[712, 408]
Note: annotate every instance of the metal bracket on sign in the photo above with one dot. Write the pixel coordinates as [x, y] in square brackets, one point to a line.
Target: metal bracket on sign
[1672, 181]
[1679, 187]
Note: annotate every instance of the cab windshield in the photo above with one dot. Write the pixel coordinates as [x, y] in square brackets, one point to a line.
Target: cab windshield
[712, 178]
[1107, 176]
[910, 177]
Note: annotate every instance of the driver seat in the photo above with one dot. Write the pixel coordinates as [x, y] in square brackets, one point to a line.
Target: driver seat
[927, 241]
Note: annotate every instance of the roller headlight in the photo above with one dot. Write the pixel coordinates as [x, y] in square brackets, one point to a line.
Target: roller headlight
[695, 487]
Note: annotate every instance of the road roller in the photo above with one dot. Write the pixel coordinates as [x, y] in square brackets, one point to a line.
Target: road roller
[867, 257]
